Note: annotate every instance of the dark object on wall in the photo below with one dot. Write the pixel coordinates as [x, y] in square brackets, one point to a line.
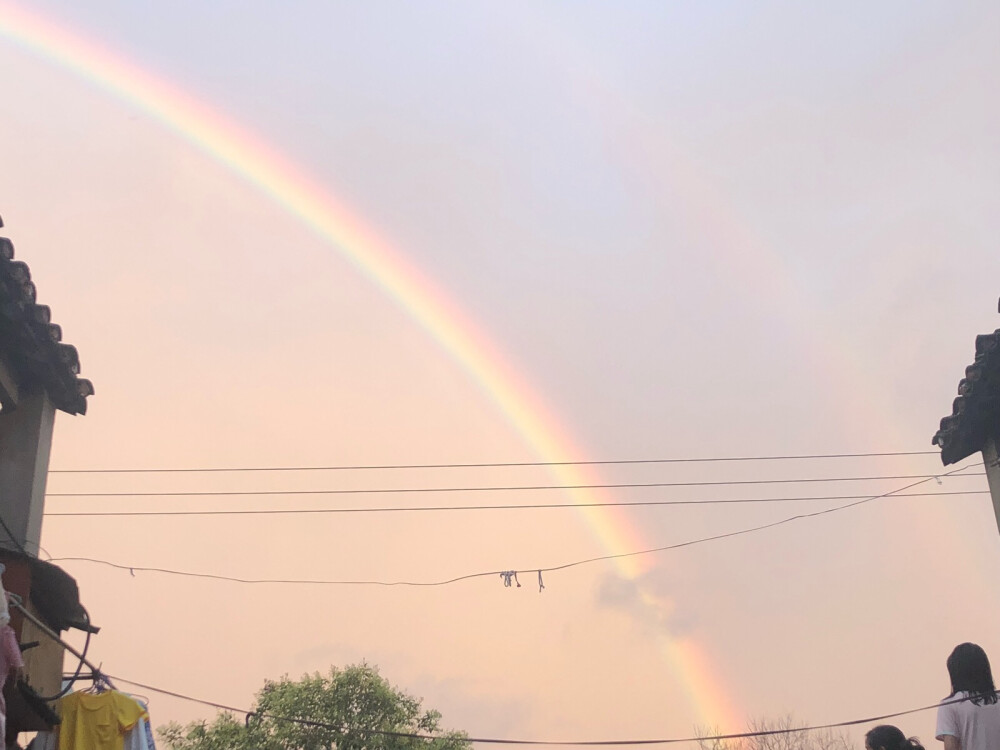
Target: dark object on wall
[975, 416]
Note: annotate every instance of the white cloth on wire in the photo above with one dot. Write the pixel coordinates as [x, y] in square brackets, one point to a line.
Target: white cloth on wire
[140, 736]
[4, 608]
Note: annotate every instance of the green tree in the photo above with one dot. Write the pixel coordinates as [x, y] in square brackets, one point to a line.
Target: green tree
[348, 703]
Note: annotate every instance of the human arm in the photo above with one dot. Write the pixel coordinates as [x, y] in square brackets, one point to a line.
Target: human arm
[948, 723]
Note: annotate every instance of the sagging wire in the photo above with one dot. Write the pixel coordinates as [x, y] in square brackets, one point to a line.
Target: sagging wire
[72, 680]
[490, 507]
[497, 488]
[17, 602]
[509, 577]
[257, 715]
[13, 538]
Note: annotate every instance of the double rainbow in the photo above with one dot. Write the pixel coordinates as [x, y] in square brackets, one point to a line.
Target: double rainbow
[452, 328]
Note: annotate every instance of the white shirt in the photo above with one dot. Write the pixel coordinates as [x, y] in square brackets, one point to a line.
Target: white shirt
[976, 727]
[140, 736]
[4, 610]
[136, 738]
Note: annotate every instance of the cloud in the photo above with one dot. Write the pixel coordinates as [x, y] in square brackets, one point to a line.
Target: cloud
[649, 603]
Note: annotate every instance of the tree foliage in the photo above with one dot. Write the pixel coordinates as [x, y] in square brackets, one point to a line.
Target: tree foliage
[796, 739]
[347, 703]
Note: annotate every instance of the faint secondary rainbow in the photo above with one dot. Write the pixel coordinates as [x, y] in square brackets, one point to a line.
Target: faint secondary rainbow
[451, 327]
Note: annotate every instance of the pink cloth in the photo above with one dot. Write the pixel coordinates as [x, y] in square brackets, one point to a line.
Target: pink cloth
[10, 655]
[10, 658]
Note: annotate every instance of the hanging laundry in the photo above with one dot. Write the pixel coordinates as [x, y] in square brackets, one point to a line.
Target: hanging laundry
[140, 737]
[97, 721]
[10, 661]
[150, 743]
[4, 607]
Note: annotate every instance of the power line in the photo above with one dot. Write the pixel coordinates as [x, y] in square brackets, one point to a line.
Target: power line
[507, 574]
[482, 740]
[512, 488]
[532, 506]
[590, 743]
[491, 465]
[624, 742]
[18, 544]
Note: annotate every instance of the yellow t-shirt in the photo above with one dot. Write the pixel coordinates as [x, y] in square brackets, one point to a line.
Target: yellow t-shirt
[96, 721]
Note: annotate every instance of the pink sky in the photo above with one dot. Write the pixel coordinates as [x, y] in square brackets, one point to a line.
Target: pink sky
[648, 233]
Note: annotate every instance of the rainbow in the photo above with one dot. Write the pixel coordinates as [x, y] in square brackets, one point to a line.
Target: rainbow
[451, 327]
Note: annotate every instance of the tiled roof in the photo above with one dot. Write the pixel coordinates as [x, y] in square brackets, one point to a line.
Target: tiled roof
[975, 413]
[31, 344]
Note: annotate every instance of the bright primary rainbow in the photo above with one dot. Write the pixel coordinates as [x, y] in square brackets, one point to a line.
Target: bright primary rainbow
[451, 327]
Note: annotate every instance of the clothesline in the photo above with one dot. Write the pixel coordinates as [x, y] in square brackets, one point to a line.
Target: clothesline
[146, 731]
[78, 710]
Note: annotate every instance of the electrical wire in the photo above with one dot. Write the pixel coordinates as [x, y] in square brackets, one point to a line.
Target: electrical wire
[72, 679]
[13, 538]
[15, 602]
[483, 740]
[86, 645]
[589, 743]
[17, 542]
[493, 573]
[623, 742]
[532, 506]
[493, 465]
[514, 488]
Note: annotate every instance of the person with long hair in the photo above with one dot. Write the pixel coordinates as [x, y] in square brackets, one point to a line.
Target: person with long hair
[969, 718]
[888, 737]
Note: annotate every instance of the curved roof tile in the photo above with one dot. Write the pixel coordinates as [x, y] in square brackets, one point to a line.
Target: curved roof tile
[975, 414]
[32, 344]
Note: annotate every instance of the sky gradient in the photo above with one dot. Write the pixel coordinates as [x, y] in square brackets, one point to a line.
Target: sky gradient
[370, 234]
